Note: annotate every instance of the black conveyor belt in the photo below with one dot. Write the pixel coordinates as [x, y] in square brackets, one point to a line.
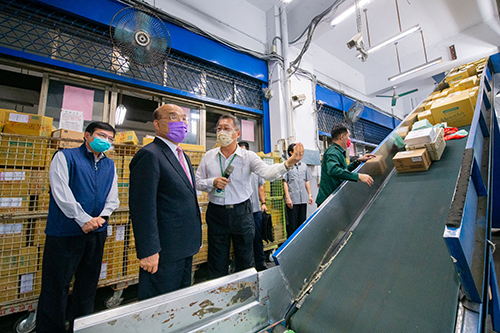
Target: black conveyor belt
[395, 273]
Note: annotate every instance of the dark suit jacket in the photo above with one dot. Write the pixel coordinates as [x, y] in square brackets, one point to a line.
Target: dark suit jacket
[163, 204]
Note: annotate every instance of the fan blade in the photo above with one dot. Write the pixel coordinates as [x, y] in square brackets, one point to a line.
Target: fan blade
[408, 92]
[393, 103]
[384, 96]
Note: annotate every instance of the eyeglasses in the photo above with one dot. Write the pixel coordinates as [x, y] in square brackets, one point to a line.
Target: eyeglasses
[105, 137]
[174, 117]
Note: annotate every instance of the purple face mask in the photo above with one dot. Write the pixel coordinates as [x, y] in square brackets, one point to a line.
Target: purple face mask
[177, 131]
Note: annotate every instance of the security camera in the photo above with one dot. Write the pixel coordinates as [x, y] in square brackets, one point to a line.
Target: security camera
[356, 40]
[299, 98]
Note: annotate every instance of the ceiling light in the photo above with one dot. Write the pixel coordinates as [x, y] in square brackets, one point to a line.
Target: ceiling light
[120, 113]
[286, 2]
[416, 69]
[348, 12]
[399, 36]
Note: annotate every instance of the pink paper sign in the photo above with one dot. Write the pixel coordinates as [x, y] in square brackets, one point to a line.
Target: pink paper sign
[247, 131]
[79, 99]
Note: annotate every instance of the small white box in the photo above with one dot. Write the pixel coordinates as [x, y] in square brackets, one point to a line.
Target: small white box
[422, 136]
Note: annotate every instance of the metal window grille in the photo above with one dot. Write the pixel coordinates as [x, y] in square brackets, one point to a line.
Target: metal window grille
[33, 28]
[363, 130]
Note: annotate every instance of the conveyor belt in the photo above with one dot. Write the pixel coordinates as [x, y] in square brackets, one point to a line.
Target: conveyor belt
[395, 273]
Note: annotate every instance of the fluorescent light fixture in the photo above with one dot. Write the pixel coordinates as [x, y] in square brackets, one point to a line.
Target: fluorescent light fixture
[348, 12]
[416, 69]
[286, 2]
[120, 113]
[399, 36]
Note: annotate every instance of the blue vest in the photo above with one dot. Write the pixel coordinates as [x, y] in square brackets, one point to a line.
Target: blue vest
[90, 184]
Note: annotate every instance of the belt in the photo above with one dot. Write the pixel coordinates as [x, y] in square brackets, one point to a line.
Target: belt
[230, 206]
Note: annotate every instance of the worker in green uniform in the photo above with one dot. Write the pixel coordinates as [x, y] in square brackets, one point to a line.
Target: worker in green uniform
[334, 168]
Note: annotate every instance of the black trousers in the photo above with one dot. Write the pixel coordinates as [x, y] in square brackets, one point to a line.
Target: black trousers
[258, 245]
[63, 258]
[226, 223]
[296, 216]
[171, 276]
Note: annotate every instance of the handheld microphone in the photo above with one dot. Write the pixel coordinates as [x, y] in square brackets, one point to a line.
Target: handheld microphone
[228, 172]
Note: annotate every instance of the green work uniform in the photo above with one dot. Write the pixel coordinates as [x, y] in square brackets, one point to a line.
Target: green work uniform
[334, 170]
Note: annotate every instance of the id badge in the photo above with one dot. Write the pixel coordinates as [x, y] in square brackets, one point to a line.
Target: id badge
[220, 193]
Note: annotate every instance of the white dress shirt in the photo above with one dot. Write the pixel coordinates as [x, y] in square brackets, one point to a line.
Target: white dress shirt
[173, 147]
[64, 198]
[239, 188]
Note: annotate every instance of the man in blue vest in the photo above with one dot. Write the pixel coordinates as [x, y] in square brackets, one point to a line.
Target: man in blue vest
[83, 194]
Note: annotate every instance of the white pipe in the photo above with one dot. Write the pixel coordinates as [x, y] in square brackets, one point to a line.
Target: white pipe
[286, 63]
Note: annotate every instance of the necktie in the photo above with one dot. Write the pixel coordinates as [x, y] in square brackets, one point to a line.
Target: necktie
[181, 160]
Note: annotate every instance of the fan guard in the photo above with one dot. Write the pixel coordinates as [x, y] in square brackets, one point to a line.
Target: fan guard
[140, 36]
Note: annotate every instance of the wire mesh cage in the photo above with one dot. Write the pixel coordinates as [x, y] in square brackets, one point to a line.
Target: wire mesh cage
[24, 202]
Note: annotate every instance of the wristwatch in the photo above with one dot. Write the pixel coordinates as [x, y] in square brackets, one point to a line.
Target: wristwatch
[262, 203]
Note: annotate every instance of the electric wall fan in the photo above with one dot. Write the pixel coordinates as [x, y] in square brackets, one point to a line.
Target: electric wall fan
[140, 36]
[354, 113]
[395, 96]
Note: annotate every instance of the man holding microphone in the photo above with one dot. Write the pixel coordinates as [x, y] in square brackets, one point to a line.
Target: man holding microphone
[229, 213]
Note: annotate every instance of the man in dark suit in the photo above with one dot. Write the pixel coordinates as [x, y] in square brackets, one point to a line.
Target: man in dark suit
[164, 207]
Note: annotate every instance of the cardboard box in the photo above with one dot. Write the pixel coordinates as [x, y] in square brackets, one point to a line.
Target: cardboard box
[126, 137]
[39, 182]
[147, 140]
[9, 262]
[426, 115]
[468, 83]
[3, 113]
[27, 124]
[435, 148]
[75, 139]
[411, 161]
[22, 152]
[457, 110]
[376, 166]
[28, 260]
[14, 191]
[410, 120]
[48, 157]
[456, 77]
[473, 93]
[12, 236]
[8, 288]
[402, 131]
[422, 136]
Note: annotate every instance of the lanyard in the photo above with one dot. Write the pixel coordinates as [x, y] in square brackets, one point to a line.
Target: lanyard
[220, 162]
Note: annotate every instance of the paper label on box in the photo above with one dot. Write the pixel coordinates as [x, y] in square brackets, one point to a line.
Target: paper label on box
[26, 283]
[416, 159]
[104, 268]
[110, 230]
[12, 175]
[120, 233]
[2, 229]
[17, 228]
[11, 202]
[19, 118]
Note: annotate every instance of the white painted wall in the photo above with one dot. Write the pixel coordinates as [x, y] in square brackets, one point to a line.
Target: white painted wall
[237, 21]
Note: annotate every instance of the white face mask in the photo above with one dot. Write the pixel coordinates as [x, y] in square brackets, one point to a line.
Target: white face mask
[225, 138]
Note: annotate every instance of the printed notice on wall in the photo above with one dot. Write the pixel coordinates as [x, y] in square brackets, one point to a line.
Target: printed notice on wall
[79, 99]
[71, 120]
[247, 130]
[26, 283]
